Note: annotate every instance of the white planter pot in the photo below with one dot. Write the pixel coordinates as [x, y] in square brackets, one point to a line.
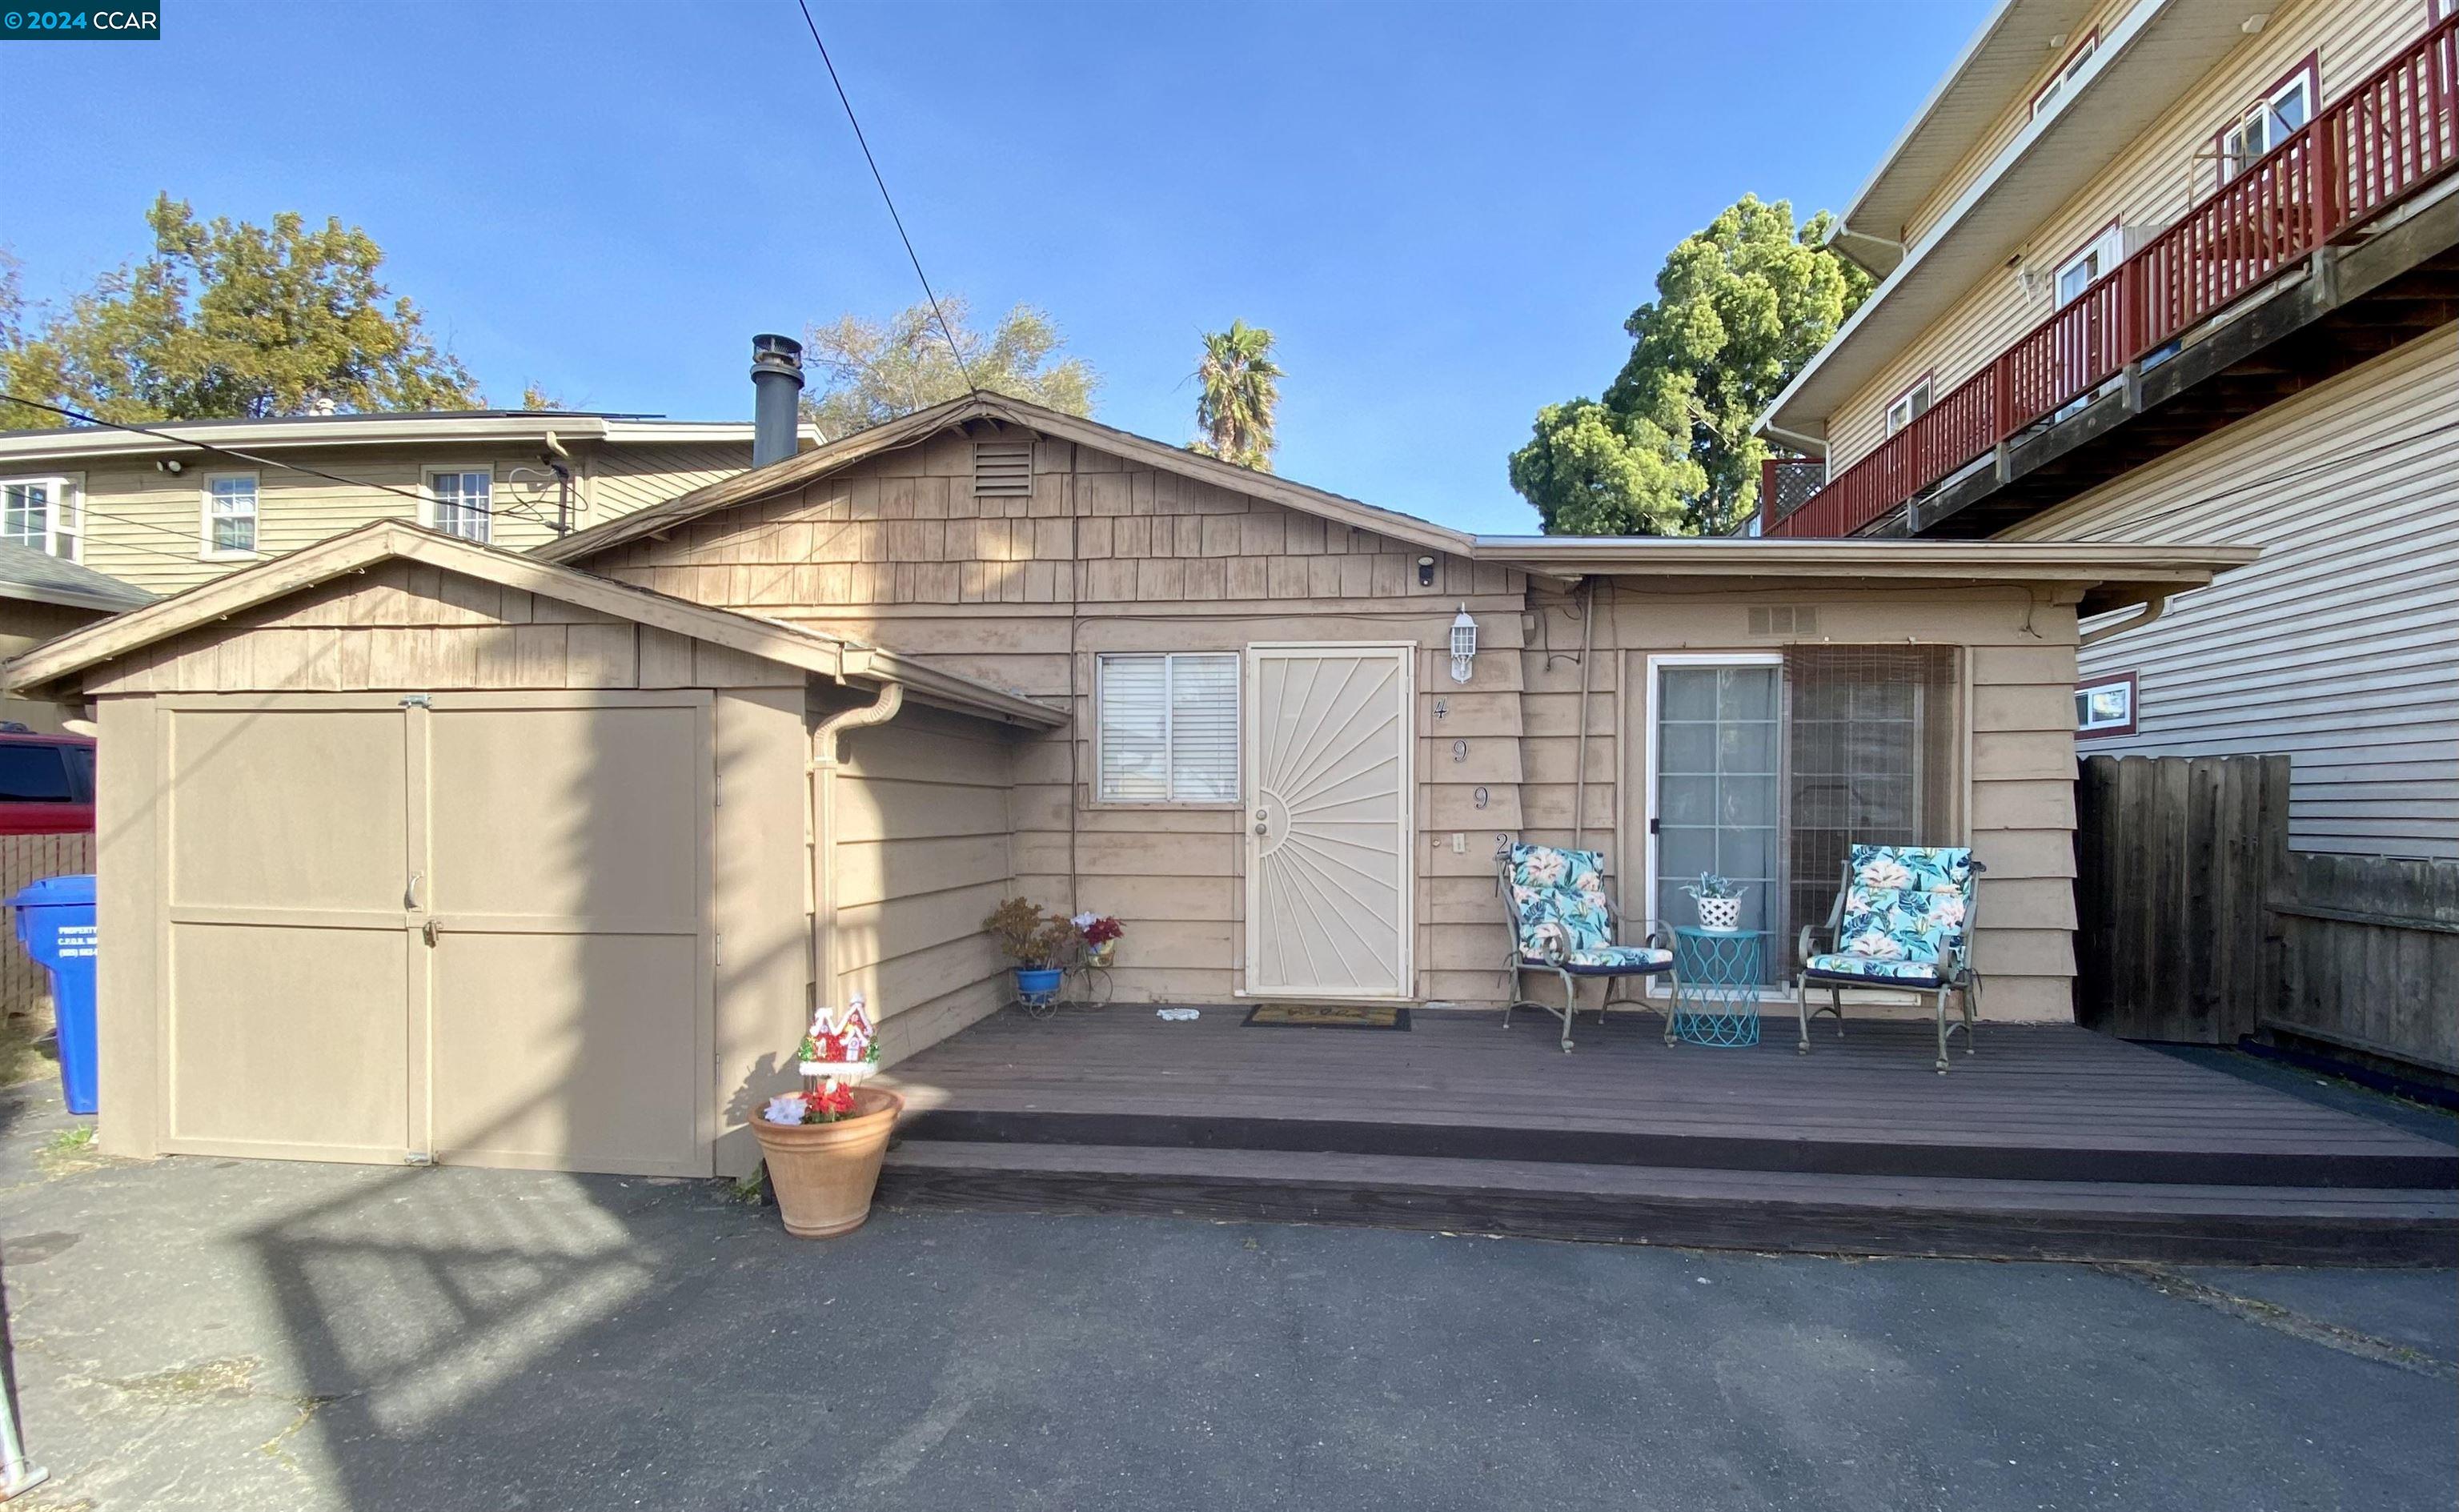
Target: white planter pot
[1720, 914]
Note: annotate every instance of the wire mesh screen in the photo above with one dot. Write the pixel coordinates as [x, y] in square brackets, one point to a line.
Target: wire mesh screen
[1870, 734]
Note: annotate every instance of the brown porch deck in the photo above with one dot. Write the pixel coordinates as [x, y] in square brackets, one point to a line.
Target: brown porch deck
[2051, 1140]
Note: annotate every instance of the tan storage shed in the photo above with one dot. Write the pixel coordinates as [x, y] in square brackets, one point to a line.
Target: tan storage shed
[413, 850]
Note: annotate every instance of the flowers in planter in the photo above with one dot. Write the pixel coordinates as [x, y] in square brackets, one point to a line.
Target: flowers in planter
[839, 1052]
[1098, 930]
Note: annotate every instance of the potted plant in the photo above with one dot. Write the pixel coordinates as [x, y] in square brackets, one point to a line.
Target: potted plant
[1101, 934]
[1037, 942]
[824, 1144]
[1720, 902]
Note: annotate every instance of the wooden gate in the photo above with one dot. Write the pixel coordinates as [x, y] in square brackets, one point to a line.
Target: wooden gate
[2195, 923]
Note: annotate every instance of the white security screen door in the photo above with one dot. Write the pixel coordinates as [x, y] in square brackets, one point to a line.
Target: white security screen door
[1715, 743]
[1327, 878]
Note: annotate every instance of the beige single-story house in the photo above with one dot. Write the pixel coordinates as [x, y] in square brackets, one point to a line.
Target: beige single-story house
[41, 596]
[415, 849]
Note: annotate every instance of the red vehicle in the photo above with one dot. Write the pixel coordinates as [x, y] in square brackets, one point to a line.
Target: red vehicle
[46, 782]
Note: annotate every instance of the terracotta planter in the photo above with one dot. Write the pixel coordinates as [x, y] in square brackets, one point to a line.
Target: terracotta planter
[823, 1173]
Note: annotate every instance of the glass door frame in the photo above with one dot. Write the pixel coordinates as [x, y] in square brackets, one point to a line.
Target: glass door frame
[1653, 694]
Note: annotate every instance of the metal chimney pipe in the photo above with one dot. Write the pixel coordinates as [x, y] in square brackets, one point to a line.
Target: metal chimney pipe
[777, 384]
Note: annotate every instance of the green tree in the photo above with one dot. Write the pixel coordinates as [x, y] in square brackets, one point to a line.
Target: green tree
[1741, 306]
[870, 372]
[535, 397]
[225, 320]
[1239, 390]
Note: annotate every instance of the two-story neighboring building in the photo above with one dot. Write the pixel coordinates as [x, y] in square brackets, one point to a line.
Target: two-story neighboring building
[2185, 269]
[162, 513]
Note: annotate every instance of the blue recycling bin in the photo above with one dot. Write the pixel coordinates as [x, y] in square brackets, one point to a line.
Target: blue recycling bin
[56, 924]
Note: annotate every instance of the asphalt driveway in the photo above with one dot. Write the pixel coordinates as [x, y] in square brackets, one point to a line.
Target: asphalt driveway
[197, 1334]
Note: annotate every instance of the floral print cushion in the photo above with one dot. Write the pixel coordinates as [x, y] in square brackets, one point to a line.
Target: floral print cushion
[1559, 896]
[1616, 959]
[1871, 968]
[1904, 911]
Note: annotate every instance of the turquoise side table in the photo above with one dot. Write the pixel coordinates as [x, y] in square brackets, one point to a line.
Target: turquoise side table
[1716, 987]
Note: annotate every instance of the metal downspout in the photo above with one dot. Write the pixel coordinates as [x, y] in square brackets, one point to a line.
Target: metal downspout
[826, 756]
[2152, 608]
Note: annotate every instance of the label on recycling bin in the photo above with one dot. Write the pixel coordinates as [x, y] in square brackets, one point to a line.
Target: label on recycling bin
[75, 942]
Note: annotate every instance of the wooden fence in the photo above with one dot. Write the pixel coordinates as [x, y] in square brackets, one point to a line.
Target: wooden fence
[2196, 922]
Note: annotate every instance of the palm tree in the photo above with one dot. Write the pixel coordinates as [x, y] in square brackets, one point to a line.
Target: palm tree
[1240, 389]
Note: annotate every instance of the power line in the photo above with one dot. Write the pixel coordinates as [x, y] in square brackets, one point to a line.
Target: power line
[954, 350]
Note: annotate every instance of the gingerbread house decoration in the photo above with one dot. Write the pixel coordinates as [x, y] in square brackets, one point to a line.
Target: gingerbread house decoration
[841, 1049]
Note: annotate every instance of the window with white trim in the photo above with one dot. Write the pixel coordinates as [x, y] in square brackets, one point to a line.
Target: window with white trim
[2268, 122]
[42, 513]
[461, 502]
[2106, 705]
[2056, 88]
[1910, 406]
[230, 514]
[2090, 265]
[1168, 727]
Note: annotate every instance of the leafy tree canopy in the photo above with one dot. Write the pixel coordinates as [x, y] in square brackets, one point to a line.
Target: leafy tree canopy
[1741, 306]
[225, 320]
[868, 372]
[1238, 397]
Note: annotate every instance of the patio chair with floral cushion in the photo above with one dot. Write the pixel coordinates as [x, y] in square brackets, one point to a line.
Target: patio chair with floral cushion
[1902, 918]
[1563, 922]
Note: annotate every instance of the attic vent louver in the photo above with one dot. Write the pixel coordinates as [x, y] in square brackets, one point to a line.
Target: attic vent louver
[1784, 619]
[1003, 468]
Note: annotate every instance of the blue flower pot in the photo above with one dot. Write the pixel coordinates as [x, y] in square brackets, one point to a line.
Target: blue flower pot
[1032, 985]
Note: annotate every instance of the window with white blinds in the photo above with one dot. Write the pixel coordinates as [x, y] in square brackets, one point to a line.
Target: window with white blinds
[1168, 729]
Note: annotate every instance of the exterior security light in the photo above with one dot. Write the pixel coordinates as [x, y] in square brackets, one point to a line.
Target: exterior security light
[1463, 646]
[1426, 572]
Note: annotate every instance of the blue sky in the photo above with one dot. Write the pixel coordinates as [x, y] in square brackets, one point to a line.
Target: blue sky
[1443, 211]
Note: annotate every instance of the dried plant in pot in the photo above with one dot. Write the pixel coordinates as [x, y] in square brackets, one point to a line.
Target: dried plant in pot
[1037, 942]
[824, 1144]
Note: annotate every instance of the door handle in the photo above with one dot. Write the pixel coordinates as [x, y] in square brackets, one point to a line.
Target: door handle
[430, 931]
[410, 898]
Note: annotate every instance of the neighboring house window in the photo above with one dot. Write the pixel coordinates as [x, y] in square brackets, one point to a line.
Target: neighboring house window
[230, 514]
[1168, 729]
[462, 502]
[2104, 706]
[2444, 10]
[2060, 81]
[2268, 122]
[1910, 404]
[43, 513]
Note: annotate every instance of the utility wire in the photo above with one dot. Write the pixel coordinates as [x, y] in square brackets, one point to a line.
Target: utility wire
[954, 350]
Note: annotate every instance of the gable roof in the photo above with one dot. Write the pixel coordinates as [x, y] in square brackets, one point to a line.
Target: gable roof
[907, 430]
[835, 656]
[42, 577]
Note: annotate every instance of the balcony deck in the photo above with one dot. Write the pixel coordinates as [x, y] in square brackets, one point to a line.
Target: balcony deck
[2051, 1140]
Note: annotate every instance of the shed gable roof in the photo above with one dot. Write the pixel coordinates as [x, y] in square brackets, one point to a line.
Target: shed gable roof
[836, 657]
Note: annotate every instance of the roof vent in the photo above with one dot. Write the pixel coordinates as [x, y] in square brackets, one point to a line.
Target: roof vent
[1003, 468]
[1784, 619]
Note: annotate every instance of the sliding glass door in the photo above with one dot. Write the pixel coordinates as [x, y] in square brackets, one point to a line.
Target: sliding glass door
[1766, 768]
[1718, 749]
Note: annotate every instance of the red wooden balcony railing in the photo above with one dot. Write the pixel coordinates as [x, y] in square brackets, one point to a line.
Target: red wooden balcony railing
[2379, 143]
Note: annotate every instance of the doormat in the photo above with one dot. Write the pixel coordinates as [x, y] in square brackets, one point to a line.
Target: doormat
[1327, 1016]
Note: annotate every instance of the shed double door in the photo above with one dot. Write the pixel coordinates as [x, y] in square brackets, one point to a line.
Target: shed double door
[469, 928]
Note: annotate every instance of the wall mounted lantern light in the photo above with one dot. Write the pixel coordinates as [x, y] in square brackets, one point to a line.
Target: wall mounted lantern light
[1463, 646]
[1426, 572]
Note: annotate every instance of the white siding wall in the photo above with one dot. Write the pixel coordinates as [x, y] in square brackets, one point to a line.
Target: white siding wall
[2341, 646]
